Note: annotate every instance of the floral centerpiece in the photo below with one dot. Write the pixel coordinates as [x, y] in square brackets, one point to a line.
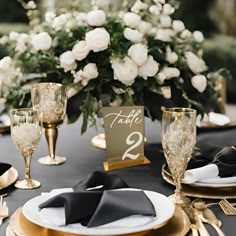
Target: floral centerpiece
[134, 55]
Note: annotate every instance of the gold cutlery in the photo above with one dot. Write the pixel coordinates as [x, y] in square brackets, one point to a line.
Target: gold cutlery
[227, 207]
[197, 227]
[4, 211]
[207, 216]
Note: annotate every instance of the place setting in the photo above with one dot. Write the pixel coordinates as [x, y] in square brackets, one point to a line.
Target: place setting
[137, 212]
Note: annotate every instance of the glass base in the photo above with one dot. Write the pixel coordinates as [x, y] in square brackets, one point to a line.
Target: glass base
[51, 161]
[27, 184]
[180, 200]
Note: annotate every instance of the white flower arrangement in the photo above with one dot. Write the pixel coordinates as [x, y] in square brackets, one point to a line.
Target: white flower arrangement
[135, 55]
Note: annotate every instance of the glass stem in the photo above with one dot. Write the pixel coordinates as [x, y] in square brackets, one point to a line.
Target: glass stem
[27, 168]
[178, 187]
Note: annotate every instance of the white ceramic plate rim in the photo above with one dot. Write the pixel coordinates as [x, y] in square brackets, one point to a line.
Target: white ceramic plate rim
[164, 209]
[10, 176]
[220, 185]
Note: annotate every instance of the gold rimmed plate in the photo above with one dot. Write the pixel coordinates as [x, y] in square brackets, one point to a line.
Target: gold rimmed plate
[211, 192]
[178, 225]
[8, 178]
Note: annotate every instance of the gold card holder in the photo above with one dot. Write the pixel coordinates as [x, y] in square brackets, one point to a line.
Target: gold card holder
[124, 132]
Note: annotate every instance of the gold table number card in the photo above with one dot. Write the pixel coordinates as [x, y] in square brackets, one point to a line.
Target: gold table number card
[124, 129]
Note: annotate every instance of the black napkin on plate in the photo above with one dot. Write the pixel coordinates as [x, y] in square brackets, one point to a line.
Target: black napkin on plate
[4, 167]
[223, 157]
[105, 180]
[101, 206]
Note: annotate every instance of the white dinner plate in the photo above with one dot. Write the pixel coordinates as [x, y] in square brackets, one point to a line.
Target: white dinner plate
[8, 178]
[164, 211]
[221, 182]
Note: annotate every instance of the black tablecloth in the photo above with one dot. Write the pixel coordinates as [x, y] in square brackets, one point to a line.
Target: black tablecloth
[82, 159]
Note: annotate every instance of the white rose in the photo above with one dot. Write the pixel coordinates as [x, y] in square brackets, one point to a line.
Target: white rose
[166, 91]
[168, 9]
[13, 35]
[171, 72]
[199, 82]
[96, 18]
[125, 71]
[171, 57]
[164, 35]
[98, 39]
[59, 22]
[144, 27]
[160, 78]
[5, 63]
[178, 25]
[132, 19]
[49, 17]
[81, 19]
[149, 68]
[90, 71]
[67, 61]
[42, 41]
[133, 35]
[165, 21]
[138, 53]
[78, 76]
[198, 36]
[195, 64]
[154, 10]
[185, 34]
[80, 50]
[138, 6]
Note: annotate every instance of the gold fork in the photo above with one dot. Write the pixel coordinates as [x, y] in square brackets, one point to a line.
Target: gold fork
[227, 207]
[4, 211]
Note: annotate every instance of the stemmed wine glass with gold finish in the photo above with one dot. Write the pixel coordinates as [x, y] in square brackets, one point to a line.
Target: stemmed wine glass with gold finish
[178, 141]
[26, 129]
[50, 99]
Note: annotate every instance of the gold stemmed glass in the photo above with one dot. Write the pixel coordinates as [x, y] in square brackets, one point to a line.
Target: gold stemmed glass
[26, 129]
[50, 100]
[178, 141]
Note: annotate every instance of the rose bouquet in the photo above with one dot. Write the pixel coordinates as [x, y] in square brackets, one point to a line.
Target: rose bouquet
[134, 55]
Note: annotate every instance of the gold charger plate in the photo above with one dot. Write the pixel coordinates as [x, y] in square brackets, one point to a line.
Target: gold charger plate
[178, 225]
[8, 178]
[202, 191]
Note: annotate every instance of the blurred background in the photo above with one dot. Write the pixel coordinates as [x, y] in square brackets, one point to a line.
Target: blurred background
[215, 18]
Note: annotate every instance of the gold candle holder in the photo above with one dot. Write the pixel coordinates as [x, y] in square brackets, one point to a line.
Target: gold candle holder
[50, 100]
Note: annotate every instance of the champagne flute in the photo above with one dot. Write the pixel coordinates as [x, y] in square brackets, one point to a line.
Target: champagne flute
[50, 99]
[178, 141]
[26, 129]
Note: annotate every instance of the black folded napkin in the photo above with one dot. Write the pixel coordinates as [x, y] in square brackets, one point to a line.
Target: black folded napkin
[223, 157]
[4, 167]
[101, 206]
[98, 178]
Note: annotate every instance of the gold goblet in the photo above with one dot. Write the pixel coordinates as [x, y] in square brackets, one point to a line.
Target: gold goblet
[178, 141]
[50, 99]
[26, 129]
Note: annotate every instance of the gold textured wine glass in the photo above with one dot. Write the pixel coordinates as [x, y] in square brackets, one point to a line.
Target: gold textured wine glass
[178, 141]
[50, 99]
[26, 129]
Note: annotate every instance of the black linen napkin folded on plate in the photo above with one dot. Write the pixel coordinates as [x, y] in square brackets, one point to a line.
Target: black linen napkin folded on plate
[223, 157]
[101, 206]
[4, 167]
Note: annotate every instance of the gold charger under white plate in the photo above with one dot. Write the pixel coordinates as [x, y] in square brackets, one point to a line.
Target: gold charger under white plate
[8, 178]
[178, 225]
[211, 192]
